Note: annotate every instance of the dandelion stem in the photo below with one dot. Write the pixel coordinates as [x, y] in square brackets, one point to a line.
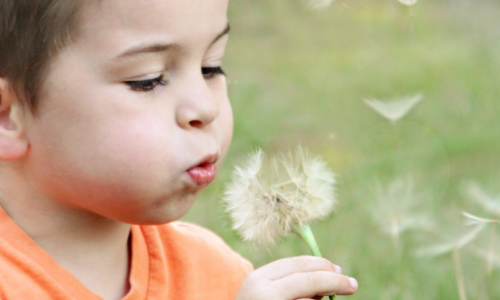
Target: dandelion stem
[305, 233]
[459, 274]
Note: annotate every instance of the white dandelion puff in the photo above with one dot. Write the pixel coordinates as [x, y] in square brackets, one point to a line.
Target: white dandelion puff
[394, 110]
[291, 191]
[408, 2]
[269, 201]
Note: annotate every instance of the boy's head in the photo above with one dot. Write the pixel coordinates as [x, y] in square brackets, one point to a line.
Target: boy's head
[126, 97]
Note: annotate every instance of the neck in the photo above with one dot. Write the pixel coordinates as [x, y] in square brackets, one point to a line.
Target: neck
[92, 248]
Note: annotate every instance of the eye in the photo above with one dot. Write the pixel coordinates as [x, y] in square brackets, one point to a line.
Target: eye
[146, 85]
[211, 72]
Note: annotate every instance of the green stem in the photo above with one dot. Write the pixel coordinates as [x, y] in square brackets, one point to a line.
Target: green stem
[305, 233]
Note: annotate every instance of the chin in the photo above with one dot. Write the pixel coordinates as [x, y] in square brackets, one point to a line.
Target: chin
[167, 212]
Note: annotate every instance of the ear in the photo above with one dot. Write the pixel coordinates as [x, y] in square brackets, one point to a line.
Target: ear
[13, 142]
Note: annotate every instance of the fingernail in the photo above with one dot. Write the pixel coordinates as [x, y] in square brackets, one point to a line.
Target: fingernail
[354, 283]
[338, 269]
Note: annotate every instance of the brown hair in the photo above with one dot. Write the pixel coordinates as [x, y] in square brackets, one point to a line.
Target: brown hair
[32, 32]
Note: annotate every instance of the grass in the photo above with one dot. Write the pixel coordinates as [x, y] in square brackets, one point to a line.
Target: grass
[299, 76]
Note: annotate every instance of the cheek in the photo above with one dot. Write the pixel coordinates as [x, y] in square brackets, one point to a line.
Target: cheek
[225, 119]
[227, 127]
[108, 157]
[137, 144]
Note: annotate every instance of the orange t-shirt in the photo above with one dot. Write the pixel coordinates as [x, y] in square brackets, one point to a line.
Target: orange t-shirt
[172, 261]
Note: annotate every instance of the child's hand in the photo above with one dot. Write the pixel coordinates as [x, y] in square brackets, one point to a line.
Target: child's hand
[296, 278]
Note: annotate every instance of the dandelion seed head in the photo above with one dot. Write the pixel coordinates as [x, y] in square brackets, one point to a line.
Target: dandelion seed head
[394, 110]
[265, 201]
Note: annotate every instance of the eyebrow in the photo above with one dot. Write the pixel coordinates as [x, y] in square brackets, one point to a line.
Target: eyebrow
[155, 48]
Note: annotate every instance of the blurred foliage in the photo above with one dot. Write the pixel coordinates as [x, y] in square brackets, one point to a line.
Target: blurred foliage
[300, 76]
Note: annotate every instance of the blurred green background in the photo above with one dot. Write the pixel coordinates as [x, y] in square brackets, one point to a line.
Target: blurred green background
[300, 76]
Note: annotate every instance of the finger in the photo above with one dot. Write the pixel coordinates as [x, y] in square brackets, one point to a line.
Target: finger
[287, 266]
[310, 284]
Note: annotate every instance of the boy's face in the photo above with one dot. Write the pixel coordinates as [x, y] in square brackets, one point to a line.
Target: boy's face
[131, 105]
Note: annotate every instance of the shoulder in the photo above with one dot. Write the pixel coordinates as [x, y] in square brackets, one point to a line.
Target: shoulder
[201, 244]
[198, 234]
[200, 258]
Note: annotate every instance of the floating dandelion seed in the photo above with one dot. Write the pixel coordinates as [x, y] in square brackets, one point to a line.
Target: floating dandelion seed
[408, 2]
[396, 109]
[450, 246]
[475, 220]
[492, 206]
[395, 209]
[489, 203]
[267, 204]
[454, 247]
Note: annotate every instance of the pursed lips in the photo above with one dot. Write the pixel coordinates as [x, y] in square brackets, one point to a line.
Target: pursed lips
[203, 173]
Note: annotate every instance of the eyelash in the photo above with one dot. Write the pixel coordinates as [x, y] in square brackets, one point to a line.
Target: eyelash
[151, 84]
[146, 85]
[211, 72]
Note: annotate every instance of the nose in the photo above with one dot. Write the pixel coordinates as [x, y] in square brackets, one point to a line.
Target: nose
[198, 104]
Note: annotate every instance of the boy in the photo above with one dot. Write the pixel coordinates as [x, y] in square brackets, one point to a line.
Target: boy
[115, 112]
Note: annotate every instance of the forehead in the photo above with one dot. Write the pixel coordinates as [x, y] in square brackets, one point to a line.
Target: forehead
[120, 23]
